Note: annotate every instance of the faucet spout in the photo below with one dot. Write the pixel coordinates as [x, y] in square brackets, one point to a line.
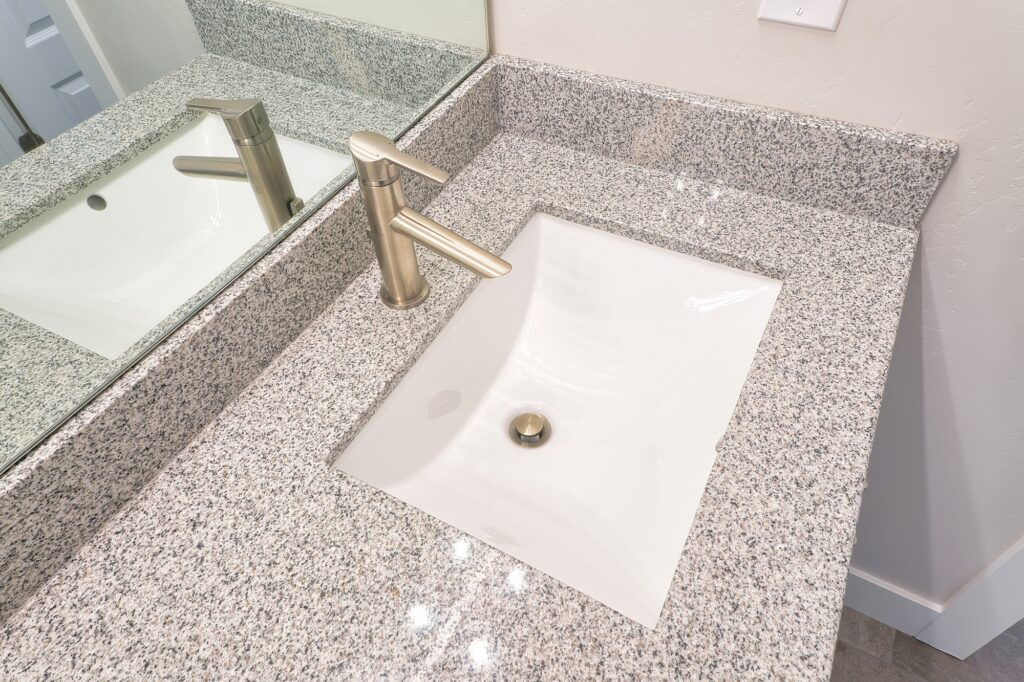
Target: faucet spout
[394, 227]
[440, 239]
[220, 167]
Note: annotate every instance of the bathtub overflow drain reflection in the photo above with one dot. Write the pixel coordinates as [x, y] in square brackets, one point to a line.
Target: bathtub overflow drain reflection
[96, 202]
[529, 429]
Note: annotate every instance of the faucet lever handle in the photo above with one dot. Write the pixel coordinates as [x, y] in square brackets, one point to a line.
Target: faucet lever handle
[374, 155]
[224, 107]
[245, 118]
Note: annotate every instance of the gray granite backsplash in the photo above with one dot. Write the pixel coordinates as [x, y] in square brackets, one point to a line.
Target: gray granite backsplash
[880, 174]
[371, 60]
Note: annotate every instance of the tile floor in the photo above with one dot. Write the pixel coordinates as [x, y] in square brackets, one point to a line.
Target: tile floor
[869, 651]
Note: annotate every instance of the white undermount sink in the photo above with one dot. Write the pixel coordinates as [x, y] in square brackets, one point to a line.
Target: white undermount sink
[104, 278]
[635, 354]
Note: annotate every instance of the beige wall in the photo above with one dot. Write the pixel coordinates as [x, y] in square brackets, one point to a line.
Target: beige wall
[457, 21]
[946, 494]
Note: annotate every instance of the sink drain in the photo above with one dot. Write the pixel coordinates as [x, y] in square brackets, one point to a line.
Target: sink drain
[530, 429]
[96, 202]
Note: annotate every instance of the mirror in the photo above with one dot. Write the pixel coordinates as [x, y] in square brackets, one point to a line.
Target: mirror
[123, 210]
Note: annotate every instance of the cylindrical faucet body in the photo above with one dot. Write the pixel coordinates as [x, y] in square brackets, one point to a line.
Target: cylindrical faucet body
[268, 176]
[403, 285]
[258, 154]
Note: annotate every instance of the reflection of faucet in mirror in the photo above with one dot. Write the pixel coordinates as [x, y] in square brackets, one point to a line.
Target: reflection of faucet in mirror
[259, 158]
[80, 303]
[394, 226]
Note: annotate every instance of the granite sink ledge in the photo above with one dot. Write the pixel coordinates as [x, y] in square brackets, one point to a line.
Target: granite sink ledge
[248, 557]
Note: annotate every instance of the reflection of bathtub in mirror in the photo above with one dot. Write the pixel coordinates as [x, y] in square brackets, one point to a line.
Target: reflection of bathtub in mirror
[104, 278]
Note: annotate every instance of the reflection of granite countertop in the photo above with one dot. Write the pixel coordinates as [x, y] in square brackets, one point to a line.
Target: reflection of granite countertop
[248, 557]
[43, 376]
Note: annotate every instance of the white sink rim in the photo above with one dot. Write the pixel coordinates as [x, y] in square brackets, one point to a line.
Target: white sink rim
[354, 461]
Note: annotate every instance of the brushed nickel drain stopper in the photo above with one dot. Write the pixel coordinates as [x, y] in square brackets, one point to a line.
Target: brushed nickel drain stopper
[530, 429]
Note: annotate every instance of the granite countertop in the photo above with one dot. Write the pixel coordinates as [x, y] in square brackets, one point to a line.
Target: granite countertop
[250, 557]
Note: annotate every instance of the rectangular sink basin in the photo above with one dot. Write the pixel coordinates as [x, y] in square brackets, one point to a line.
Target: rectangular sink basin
[104, 278]
[635, 355]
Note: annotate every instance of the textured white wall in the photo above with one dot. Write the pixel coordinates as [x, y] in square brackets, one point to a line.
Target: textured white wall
[141, 40]
[946, 493]
[457, 21]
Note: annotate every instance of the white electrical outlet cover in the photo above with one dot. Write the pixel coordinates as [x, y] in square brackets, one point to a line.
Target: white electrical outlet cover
[823, 14]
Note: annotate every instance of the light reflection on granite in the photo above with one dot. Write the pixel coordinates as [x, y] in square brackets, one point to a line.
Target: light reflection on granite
[42, 375]
[879, 174]
[249, 557]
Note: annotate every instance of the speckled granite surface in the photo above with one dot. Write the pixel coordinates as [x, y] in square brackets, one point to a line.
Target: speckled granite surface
[376, 62]
[249, 557]
[879, 174]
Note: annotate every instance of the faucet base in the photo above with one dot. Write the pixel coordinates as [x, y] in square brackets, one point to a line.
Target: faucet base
[407, 303]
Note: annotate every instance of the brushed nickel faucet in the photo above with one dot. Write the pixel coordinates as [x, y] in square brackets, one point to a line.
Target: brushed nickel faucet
[259, 160]
[394, 226]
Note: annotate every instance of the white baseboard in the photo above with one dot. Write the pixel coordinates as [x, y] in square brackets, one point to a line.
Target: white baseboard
[983, 609]
[907, 612]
